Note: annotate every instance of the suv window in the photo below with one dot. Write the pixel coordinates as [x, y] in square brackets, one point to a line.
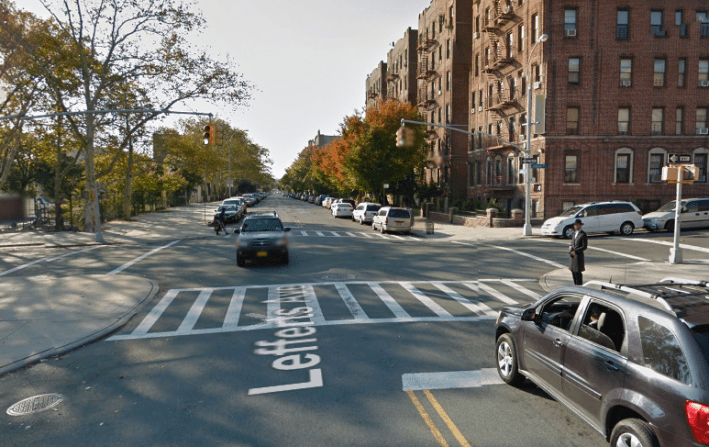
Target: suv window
[704, 205]
[604, 326]
[661, 351]
[382, 213]
[561, 311]
[692, 207]
[625, 208]
[589, 211]
[360, 207]
[399, 213]
[373, 207]
[701, 335]
[255, 224]
[609, 208]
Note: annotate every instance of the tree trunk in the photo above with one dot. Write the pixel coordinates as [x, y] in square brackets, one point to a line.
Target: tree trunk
[128, 190]
[92, 216]
[58, 171]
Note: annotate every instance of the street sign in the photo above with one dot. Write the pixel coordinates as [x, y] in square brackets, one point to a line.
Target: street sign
[529, 161]
[386, 186]
[679, 158]
[539, 166]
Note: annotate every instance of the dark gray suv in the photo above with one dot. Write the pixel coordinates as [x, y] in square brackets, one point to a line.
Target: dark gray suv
[631, 360]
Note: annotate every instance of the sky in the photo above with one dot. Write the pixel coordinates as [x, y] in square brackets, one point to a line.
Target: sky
[308, 59]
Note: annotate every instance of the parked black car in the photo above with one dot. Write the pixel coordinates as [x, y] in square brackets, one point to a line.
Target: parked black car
[631, 360]
[262, 236]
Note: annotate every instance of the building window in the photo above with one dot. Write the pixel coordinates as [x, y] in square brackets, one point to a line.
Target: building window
[510, 46]
[499, 173]
[657, 120]
[679, 22]
[679, 121]
[626, 72]
[520, 39]
[623, 24]
[574, 70]
[703, 68]
[448, 113]
[477, 24]
[659, 76]
[472, 102]
[440, 119]
[523, 125]
[570, 22]
[571, 168]
[440, 54]
[623, 166]
[535, 29]
[700, 161]
[477, 65]
[703, 20]
[656, 23]
[656, 160]
[681, 72]
[448, 49]
[448, 80]
[572, 121]
[511, 170]
[623, 121]
[701, 121]
[513, 88]
[537, 73]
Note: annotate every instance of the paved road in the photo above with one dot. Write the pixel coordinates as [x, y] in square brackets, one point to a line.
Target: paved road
[334, 349]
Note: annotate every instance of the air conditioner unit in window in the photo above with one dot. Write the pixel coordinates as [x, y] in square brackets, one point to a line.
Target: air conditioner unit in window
[537, 85]
[704, 83]
[571, 32]
[522, 137]
[625, 83]
[508, 9]
[476, 35]
[703, 131]
[480, 109]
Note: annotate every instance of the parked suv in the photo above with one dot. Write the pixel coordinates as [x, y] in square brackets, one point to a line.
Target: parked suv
[607, 217]
[365, 212]
[694, 214]
[393, 219]
[632, 361]
[262, 236]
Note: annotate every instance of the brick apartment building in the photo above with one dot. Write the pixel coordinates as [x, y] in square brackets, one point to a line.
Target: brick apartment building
[376, 87]
[444, 55]
[402, 61]
[624, 85]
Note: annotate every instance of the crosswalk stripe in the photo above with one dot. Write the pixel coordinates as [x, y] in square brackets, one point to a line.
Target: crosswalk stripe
[336, 233]
[155, 313]
[304, 233]
[320, 233]
[195, 311]
[235, 305]
[382, 236]
[351, 303]
[393, 306]
[367, 235]
[522, 289]
[397, 237]
[428, 302]
[350, 234]
[480, 308]
[490, 291]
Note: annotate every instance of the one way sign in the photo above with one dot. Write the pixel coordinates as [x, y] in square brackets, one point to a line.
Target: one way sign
[679, 158]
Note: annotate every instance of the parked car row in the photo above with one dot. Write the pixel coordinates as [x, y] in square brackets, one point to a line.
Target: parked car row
[235, 207]
[626, 217]
[383, 219]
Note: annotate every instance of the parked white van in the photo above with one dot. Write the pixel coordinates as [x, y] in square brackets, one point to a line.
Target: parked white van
[602, 217]
[694, 214]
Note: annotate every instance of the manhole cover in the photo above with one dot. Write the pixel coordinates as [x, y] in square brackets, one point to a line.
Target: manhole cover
[336, 277]
[35, 404]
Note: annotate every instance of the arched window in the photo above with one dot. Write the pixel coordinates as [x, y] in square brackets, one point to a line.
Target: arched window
[498, 170]
[655, 161]
[623, 166]
[699, 157]
[511, 169]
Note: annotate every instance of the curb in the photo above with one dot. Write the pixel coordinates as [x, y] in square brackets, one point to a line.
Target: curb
[34, 358]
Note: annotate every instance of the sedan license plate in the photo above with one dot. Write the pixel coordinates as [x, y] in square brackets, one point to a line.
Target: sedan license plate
[261, 254]
[399, 222]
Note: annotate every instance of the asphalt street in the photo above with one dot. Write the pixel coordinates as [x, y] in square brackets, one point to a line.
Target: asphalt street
[362, 340]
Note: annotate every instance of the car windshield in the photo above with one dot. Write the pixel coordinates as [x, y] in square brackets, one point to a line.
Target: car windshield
[670, 206]
[231, 203]
[701, 335]
[262, 225]
[571, 211]
[399, 213]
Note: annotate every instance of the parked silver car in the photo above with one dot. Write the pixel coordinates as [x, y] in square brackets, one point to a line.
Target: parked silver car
[389, 218]
[694, 214]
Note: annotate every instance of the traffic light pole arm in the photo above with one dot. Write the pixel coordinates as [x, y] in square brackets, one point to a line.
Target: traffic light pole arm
[475, 133]
[101, 112]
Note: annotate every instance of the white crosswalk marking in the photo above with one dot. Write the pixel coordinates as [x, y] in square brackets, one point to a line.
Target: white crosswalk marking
[397, 237]
[350, 234]
[320, 233]
[474, 306]
[336, 234]
[369, 236]
[382, 236]
[304, 233]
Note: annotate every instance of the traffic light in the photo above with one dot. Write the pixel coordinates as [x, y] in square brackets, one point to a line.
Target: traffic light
[207, 135]
[405, 137]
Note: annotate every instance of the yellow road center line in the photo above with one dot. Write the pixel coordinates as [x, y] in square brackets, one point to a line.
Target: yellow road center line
[449, 422]
[427, 419]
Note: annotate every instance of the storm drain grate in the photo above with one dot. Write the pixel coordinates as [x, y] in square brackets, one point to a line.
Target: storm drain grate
[336, 277]
[35, 404]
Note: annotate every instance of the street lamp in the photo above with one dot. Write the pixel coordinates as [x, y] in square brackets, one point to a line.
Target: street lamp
[527, 229]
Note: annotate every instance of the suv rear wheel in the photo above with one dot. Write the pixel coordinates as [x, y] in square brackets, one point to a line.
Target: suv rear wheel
[627, 228]
[633, 433]
[507, 361]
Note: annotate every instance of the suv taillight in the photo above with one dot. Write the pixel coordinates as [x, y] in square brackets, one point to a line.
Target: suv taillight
[698, 418]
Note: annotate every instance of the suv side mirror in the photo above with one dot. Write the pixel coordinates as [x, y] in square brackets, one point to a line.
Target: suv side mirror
[528, 315]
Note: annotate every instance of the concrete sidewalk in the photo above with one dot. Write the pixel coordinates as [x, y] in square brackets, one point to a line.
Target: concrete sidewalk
[449, 232]
[637, 273]
[44, 316]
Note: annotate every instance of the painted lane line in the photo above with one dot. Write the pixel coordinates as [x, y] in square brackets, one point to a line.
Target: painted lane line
[235, 305]
[625, 255]
[311, 300]
[479, 308]
[155, 313]
[195, 311]
[530, 256]
[451, 380]
[428, 302]
[393, 306]
[320, 233]
[369, 236]
[39, 261]
[412, 238]
[336, 233]
[355, 309]
[304, 233]
[477, 287]
[466, 244]
[427, 419]
[668, 244]
[446, 419]
[141, 257]
[519, 288]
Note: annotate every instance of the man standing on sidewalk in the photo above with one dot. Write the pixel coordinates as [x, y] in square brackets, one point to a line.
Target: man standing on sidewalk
[579, 243]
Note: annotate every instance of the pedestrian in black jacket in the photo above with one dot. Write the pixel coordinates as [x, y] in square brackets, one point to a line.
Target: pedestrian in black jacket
[579, 243]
